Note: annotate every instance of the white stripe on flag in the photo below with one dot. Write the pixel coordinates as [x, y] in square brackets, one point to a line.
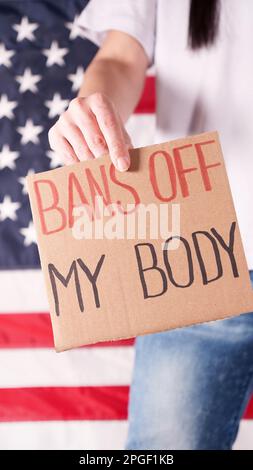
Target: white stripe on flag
[22, 291]
[93, 435]
[141, 129]
[244, 439]
[79, 367]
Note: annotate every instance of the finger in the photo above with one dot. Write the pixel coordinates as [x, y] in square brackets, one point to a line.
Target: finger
[85, 119]
[111, 129]
[74, 136]
[61, 146]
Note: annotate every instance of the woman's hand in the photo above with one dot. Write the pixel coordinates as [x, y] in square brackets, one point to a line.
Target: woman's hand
[90, 128]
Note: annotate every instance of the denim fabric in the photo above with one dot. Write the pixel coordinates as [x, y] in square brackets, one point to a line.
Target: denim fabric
[191, 385]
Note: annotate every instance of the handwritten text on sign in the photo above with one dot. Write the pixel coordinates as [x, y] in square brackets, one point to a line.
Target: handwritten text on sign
[139, 276]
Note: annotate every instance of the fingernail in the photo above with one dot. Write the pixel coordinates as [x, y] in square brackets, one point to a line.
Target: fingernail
[123, 163]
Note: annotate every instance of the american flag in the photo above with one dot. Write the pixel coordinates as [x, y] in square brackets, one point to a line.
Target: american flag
[76, 399]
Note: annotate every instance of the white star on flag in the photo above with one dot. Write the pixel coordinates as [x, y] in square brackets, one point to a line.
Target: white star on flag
[29, 132]
[56, 106]
[6, 107]
[29, 234]
[75, 28]
[5, 55]
[28, 81]
[55, 159]
[22, 180]
[25, 29]
[8, 157]
[8, 209]
[76, 78]
[55, 54]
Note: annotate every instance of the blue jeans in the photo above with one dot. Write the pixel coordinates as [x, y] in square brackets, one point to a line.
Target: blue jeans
[191, 385]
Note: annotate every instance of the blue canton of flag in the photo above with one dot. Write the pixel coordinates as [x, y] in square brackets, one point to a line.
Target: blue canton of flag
[43, 55]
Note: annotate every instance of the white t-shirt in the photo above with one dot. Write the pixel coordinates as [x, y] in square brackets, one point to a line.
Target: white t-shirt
[197, 91]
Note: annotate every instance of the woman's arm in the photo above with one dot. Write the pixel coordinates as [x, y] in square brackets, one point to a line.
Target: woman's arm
[94, 122]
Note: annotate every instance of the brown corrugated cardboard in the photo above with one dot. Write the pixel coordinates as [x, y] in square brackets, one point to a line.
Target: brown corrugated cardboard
[106, 289]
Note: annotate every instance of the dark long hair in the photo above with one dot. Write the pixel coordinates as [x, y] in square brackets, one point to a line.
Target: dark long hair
[203, 23]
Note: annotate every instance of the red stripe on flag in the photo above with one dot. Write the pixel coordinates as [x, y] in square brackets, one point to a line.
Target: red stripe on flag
[69, 403]
[34, 330]
[249, 410]
[63, 403]
[147, 103]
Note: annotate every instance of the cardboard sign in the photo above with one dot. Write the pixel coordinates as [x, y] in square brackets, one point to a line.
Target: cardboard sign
[111, 285]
